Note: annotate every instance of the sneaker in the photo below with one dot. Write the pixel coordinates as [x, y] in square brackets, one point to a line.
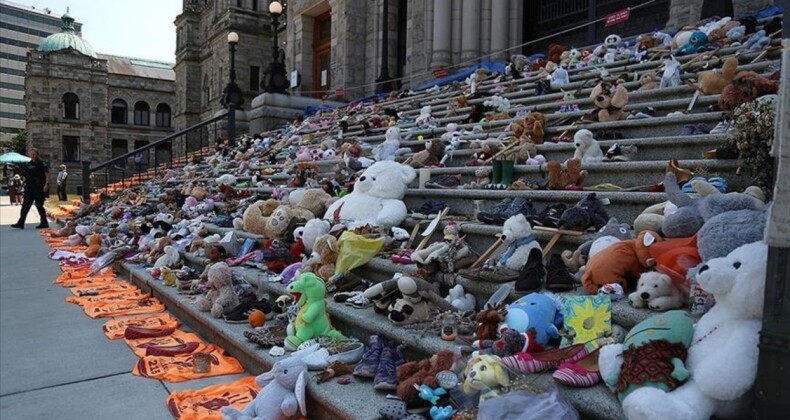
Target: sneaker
[386, 378]
[558, 278]
[532, 274]
[550, 216]
[445, 182]
[721, 128]
[489, 216]
[431, 207]
[359, 301]
[519, 205]
[367, 367]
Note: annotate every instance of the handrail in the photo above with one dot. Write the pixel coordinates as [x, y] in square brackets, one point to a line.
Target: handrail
[158, 142]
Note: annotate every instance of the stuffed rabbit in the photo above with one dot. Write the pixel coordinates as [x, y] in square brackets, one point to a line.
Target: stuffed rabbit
[282, 393]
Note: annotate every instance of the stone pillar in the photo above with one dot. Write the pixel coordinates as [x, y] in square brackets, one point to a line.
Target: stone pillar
[470, 35]
[456, 31]
[516, 9]
[442, 12]
[485, 29]
[499, 28]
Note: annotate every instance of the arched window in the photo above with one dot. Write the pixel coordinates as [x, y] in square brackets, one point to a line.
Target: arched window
[118, 113]
[206, 89]
[163, 115]
[141, 113]
[71, 106]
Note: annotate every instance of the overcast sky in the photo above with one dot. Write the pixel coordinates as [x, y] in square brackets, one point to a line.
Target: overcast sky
[133, 28]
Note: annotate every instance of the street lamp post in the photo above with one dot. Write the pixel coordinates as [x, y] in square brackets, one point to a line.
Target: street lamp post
[276, 80]
[232, 99]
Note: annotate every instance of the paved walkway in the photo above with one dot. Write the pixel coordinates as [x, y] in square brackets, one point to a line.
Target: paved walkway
[55, 362]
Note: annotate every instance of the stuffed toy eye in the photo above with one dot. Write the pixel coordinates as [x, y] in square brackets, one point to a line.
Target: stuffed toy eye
[623, 230]
[737, 265]
[483, 368]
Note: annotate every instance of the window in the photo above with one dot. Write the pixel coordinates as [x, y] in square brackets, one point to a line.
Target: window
[71, 149]
[255, 78]
[141, 158]
[118, 112]
[163, 115]
[255, 5]
[119, 147]
[141, 113]
[206, 90]
[71, 106]
[240, 4]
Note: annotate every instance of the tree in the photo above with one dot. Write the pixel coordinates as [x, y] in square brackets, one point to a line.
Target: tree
[19, 143]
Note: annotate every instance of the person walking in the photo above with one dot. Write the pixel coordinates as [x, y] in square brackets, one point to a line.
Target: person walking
[36, 185]
[62, 175]
[14, 184]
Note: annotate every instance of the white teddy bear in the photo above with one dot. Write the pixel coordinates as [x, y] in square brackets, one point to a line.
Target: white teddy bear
[390, 148]
[519, 241]
[656, 291]
[170, 258]
[425, 120]
[377, 197]
[464, 302]
[587, 148]
[312, 230]
[723, 355]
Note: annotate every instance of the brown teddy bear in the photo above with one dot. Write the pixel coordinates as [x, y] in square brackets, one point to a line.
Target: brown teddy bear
[572, 175]
[220, 298]
[254, 218]
[322, 262]
[647, 81]
[609, 100]
[484, 150]
[555, 53]
[279, 223]
[422, 373]
[534, 125]
[431, 156]
[228, 191]
[200, 193]
[713, 82]
[309, 203]
[746, 89]
[66, 230]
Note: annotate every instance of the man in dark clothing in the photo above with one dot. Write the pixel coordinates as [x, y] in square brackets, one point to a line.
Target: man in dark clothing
[36, 184]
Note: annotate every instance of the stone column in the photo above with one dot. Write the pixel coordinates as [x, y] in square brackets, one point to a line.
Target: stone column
[442, 12]
[470, 34]
[456, 31]
[516, 16]
[499, 28]
[485, 29]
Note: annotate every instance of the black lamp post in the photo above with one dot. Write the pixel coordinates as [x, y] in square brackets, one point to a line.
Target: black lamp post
[276, 80]
[232, 99]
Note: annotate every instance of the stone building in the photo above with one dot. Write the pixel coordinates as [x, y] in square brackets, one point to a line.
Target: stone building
[203, 58]
[84, 106]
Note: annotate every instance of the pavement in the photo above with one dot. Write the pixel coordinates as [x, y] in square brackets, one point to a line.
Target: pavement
[54, 360]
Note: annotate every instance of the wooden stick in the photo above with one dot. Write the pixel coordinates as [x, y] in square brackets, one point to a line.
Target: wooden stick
[484, 256]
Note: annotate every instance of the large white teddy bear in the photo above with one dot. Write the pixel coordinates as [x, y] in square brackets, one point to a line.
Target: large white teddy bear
[377, 197]
[723, 355]
[587, 148]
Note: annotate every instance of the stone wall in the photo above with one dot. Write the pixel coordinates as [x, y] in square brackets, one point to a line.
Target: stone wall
[688, 12]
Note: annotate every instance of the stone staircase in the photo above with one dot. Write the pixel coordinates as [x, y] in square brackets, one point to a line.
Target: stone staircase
[658, 140]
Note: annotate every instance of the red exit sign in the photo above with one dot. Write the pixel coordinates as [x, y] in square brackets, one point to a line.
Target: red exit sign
[439, 73]
[619, 16]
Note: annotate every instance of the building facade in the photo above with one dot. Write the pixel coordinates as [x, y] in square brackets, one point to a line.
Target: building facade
[84, 106]
[21, 28]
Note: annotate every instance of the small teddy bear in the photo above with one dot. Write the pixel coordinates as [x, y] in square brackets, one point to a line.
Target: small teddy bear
[220, 298]
[322, 261]
[562, 178]
[482, 178]
[587, 148]
[431, 156]
[609, 100]
[647, 81]
[656, 291]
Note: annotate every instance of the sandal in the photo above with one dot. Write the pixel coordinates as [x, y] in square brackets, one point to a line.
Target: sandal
[581, 373]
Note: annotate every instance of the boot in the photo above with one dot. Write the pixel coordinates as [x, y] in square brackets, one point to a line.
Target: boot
[496, 175]
[368, 366]
[386, 375]
[558, 278]
[507, 174]
[532, 274]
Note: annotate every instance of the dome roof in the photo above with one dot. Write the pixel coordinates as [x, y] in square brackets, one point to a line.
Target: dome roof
[66, 39]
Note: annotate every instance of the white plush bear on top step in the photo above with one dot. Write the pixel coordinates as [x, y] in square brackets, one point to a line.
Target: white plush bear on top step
[587, 148]
[723, 355]
[377, 197]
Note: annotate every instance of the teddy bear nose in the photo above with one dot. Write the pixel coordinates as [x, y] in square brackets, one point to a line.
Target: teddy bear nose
[503, 237]
[472, 374]
[645, 295]
[703, 268]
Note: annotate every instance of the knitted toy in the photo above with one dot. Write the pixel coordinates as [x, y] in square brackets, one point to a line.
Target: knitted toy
[609, 100]
[571, 176]
[431, 156]
[653, 355]
[657, 292]
[722, 359]
[620, 263]
[587, 148]
[282, 394]
[311, 321]
[588, 212]
[220, 298]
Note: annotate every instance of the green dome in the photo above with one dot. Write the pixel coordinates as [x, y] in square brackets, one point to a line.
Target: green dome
[67, 38]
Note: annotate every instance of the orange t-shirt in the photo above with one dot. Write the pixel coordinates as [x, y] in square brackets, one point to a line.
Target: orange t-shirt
[105, 288]
[114, 328]
[180, 368]
[178, 337]
[207, 403]
[106, 297]
[105, 309]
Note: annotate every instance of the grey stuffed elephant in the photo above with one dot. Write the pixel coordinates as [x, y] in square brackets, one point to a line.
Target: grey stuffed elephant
[282, 393]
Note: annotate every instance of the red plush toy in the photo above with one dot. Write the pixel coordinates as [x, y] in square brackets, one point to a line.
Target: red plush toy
[555, 53]
[620, 263]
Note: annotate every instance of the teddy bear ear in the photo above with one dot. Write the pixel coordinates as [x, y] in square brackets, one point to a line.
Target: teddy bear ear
[408, 173]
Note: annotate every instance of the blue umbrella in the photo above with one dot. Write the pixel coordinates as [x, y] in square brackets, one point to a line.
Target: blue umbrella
[13, 157]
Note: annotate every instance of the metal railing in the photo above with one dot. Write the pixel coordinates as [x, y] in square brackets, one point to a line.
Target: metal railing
[133, 168]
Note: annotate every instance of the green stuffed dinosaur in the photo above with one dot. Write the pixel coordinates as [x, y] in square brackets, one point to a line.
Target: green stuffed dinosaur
[653, 354]
[312, 320]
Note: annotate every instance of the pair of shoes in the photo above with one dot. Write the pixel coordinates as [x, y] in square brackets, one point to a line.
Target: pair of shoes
[581, 373]
[445, 182]
[549, 216]
[532, 274]
[337, 352]
[18, 226]
[431, 207]
[507, 208]
[359, 301]
[524, 362]
[380, 362]
[501, 174]
[240, 314]
[683, 175]
[558, 277]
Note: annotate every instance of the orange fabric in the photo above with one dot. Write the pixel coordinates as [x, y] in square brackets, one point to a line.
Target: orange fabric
[105, 309]
[106, 297]
[115, 328]
[105, 288]
[88, 282]
[207, 403]
[618, 263]
[674, 257]
[71, 273]
[139, 345]
[179, 368]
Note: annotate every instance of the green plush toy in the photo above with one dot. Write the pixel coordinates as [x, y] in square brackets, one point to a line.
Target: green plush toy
[652, 355]
[312, 320]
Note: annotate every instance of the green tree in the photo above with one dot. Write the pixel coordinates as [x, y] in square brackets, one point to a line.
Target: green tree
[19, 143]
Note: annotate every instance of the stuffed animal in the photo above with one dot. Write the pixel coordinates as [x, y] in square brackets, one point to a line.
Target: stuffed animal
[425, 120]
[431, 156]
[713, 82]
[656, 291]
[322, 261]
[647, 81]
[168, 277]
[390, 148]
[653, 355]
[609, 100]
[447, 254]
[613, 229]
[587, 148]
[94, 245]
[485, 374]
[220, 298]
[588, 212]
[746, 89]
[519, 240]
[722, 358]
[312, 230]
[311, 321]
[621, 263]
[227, 179]
[422, 372]
[482, 178]
[724, 232]
[536, 315]
[280, 223]
[757, 41]
[308, 203]
[282, 394]
[464, 302]
[571, 176]
[171, 258]
[670, 74]
[696, 41]
[254, 217]
[555, 53]
[559, 77]
[376, 199]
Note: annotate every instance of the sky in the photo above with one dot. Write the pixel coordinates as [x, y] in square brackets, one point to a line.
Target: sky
[132, 28]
